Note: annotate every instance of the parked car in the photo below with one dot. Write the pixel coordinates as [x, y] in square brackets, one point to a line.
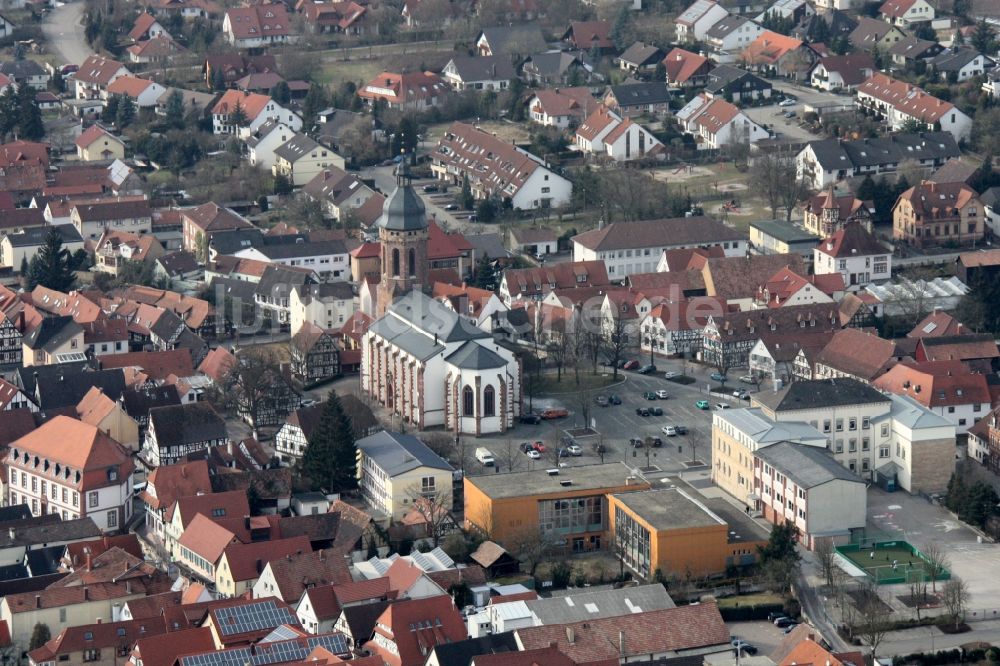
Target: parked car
[747, 379]
[656, 442]
[451, 206]
[662, 395]
[554, 413]
[656, 411]
[526, 446]
[630, 365]
[642, 411]
[774, 615]
[741, 394]
[563, 453]
[717, 377]
[681, 430]
[615, 400]
[531, 417]
[649, 395]
[473, 218]
[69, 68]
[790, 628]
[783, 622]
[308, 402]
[636, 443]
[533, 454]
[430, 188]
[670, 374]
[788, 101]
[721, 405]
[647, 369]
[539, 446]
[790, 114]
[669, 431]
[745, 647]
[701, 404]
[602, 400]
[574, 450]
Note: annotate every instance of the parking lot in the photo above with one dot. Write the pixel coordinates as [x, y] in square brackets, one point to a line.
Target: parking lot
[789, 128]
[761, 634]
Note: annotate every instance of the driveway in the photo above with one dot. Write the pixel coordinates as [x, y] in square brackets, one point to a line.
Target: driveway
[63, 30]
[789, 128]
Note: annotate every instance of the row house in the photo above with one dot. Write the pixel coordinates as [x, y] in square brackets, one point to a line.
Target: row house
[899, 103]
[175, 432]
[695, 21]
[257, 26]
[675, 327]
[96, 73]
[131, 214]
[536, 283]
[856, 354]
[72, 469]
[787, 357]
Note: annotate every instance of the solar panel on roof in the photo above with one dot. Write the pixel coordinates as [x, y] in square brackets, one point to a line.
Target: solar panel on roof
[270, 653]
[253, 617]
[282, 633]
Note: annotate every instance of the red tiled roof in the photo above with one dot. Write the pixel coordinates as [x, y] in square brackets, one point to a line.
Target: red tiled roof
[77, 445]
[588, 34]
[937, 324]
[936, 383]
[905, 98]
[404, 88]
[247, 560]
[769, 48]
[258, 21]
[164, 649]
[415, 626]
[577, 102]
[933, 201]
[157, 365]
[129, 85]
[231, 504]
[98, 70]
[110, 636]
[92, 134]
[896, 8]
[168, 482]
[858, 353]
[217, 363]
[569, 275]
[143, 23]
[206, 538]
[294, 573]
[251, 103]
[681, 65]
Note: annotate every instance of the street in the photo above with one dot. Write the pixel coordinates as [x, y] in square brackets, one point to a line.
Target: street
[63, 29]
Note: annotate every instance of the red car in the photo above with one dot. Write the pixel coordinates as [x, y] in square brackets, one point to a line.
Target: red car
[540, 447]
[631, 365]
[554, 413]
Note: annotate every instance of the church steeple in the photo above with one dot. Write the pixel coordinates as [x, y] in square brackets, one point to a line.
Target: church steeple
[402, 232]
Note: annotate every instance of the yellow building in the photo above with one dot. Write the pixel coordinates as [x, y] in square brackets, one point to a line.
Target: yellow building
[671, 531]
[300, 159]
[51, 339]
[568, 507]
[98, 145]
[109, 417]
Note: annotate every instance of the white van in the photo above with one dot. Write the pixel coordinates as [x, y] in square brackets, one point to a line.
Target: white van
[484, 456]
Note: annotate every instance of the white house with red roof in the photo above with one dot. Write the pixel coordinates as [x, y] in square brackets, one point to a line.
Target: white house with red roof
[854, 253]
[258, 25]
[256, 109]
[684, 68]
[561, 107]
[715, 123]
[907, 13]
[147, 27]
[143, 92]
[786, 288]
[604, 132]
[98, 144]
[95, 75]
[950, 389]
[409, 90]
[898, 102]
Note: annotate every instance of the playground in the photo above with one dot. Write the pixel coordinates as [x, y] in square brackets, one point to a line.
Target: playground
[890, 562]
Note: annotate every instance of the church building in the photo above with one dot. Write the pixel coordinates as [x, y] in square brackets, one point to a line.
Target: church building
[420, 359]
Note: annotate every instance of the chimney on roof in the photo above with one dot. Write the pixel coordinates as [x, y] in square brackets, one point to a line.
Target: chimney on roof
[88, 563]
[571, 635]
[38, 601]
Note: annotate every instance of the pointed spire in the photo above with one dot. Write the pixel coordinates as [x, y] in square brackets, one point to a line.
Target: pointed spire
[831, 200]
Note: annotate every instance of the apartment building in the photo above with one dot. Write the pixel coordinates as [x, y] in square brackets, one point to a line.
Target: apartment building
[395, 468]
[931, 214]
[898, 102]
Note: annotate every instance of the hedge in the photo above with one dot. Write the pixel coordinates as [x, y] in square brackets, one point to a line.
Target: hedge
[748, 613]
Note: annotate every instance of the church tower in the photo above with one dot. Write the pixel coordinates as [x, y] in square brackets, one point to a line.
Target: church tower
[402, 232]
[830, 222]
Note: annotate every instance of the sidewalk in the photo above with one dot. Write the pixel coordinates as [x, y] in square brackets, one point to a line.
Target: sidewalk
[932, 639]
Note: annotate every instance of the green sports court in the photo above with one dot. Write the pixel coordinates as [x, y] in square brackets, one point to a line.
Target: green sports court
[890, 562]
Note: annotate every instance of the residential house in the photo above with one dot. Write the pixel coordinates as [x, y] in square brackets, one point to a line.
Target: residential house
[854, 253]
[496, 168]
[605, 133]
[407, 630]
[23, 165]
[158, 50]
[25, 71]
[979, 351]
[395, 468]
[695, 21]
[937, 324]
[873, 34]
[636, 247]
[255, 110]
[114, 249]
[685, 69]
[590, 36]
[912, 50]
[787, 357]
[787, 288]
[827, 213]
[556, 68]
[961, 64]
[899, 103]
[241, 565]
[533, 242]
[199, 224]
[805, 486]
[779, 55]
[84, 473]
[714, 123]
[479, 73]
[345, 17]
[736, 84]
[15, 248]
[824, 162]
[258, 25]
[292, 438]
[96, 73]
[327, 305]
[514, 41]
[54, 340]
[560, 107]
[288, 577]
[97, 144]
[674, 327]
[93, 218]
[314, 355]
[211, 506]
[327, 257]
[143, 92]
[640, 58]
[856, 354]
[728, 38]
[932, 213]
[300, 159]
[907, 14]
[846, 72]
[175, 432]
[412, 91]
[984, 441]
[950, 389]
[262, 143]
[536, 283]
[147, 27]
[636, 99]
[781, 237]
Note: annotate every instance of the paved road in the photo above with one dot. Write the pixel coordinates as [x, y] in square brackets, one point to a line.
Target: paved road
[63, 29]
[379, 50]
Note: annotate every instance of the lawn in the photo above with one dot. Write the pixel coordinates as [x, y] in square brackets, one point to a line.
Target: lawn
[759, 599]
[333, 73]
[548, 383]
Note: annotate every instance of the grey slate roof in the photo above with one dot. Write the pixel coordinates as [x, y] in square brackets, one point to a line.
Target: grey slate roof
[600, 604]
[48, 532]
[304, 248]
[186, 424]
[297, 147]
[166, 325]
[954, 61]
[35, 236]
[514, 39]
[640, 54]
[487, 245]
[817, 393]
[913, 415]
[641, 93]
[807, 466]
[474, 356]
[726, 26]
[65, 384]
[138, 401]
[460, 653]
[421, 326]
[278, 279]
[327, 290]
[483, 68]
[397, 453]
[241, 289]
[989, 198]
[178, 263]
[52, 332]
[551, 65]
[833, 154]
[403, 210]
[21, 69]
[231, 242]
[725, 75]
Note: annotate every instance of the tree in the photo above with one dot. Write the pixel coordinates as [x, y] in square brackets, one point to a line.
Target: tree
[529, 546]
[825, 554]
[51, 266]
[468, 201]
[218, 80]
[510, 457]
[615, 340]
[57, 83]
[486, 210]
[515, 90]
[955, 598]
[110, 112]
[873, 616]
[983, 39]
[40, 635]
[238, 118]
[620, 29]
[330, 458]
[175, 109]
[937, 562]
[254, 387]
[314, 102]
[126, 111]
[29, 122]
[775, 177]
[434, 507]
[280, 93]
[779, 559]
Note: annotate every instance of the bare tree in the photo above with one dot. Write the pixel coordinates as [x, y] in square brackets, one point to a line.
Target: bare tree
[615, 341]
[825, 555]
[774, 176]
[873, 617]
[937, 562]
[575, 341]
[529, 546]
[441, 443]
[482, 522]
[434, 507]
[559, 354]
[918, 592]
[585, 403]
[955, 597]
[510, 457]
[255, 388]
